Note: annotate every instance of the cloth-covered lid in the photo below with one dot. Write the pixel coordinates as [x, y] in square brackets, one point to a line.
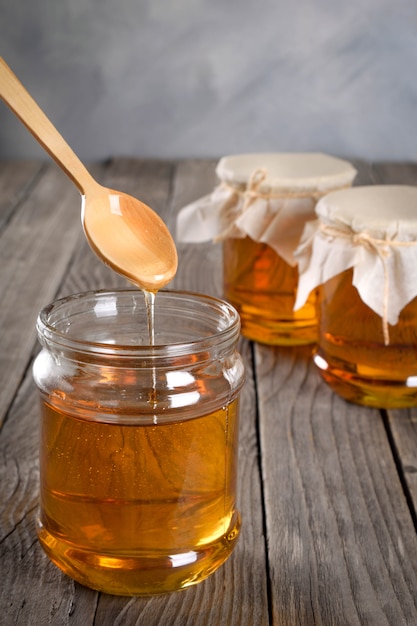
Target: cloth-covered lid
[305, 171]
[372, 229]
[266, 196]
[385, 211]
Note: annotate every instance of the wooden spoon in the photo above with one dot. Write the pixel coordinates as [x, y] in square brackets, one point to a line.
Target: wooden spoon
[123, 231]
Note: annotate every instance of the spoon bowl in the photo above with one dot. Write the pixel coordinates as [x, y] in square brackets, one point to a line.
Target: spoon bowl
[124, 232]
[129, 237]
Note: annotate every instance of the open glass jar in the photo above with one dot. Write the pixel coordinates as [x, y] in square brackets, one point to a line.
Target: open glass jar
[259, 211]
[362, 251]
[138, 455]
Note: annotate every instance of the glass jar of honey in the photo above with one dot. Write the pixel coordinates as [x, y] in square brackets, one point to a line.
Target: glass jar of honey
[362, 251]
[138, 446]
[259, 211]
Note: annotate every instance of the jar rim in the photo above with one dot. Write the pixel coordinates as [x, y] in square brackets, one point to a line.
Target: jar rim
[221, 312]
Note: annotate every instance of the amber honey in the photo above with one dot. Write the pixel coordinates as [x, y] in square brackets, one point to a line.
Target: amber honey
[352, 356]
[133, 509]
[263, 287]
[138, 452]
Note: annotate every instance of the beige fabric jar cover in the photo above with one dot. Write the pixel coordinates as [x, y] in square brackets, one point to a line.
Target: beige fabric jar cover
[372, 229]
[266, 196]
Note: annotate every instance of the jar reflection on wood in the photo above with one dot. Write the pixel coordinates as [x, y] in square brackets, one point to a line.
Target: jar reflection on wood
[259, 211]
[362, 252]
[138, 451]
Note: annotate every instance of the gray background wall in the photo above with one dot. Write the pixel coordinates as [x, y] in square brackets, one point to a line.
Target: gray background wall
[190, 78]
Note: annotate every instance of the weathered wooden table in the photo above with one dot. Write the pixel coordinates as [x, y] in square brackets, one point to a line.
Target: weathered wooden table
[328, 490]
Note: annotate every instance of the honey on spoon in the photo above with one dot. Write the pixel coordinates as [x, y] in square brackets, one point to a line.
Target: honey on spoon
[124, 232]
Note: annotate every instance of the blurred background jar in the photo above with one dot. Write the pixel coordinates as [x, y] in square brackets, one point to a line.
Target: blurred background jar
[138, 446]
[362, 251]
[258, 211]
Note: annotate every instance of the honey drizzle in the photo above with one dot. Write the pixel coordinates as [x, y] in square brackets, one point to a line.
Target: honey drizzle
[150, 297]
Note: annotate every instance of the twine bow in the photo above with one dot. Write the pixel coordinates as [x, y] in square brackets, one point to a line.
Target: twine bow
[253, 190]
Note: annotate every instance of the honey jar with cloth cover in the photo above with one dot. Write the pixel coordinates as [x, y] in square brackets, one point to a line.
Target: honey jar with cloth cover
[258, 211]
[362, 254]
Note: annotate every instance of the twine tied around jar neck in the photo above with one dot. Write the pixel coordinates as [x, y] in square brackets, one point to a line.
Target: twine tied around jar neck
[253, 192]
[270, 206]
[381, 247]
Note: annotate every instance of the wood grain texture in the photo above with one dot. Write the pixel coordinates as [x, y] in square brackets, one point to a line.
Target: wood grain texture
[341, 541]
[402, 425]
[327, 489]
[403, 429]
[15, 183]
[201, 265]
[35, 248]
[33, 590]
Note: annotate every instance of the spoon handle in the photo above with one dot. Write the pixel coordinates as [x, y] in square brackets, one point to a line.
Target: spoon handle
[31, 115]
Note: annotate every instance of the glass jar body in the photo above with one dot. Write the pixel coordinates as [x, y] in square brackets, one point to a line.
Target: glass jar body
[263, 287]
[351, 354]
[138, 455]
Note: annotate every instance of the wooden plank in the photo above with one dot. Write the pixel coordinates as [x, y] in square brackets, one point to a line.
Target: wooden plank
[36, 245]
[403, 423]
[394, 173]
[32, 590]
[342, 547]
[36, 248]
[403, 429]
[201, 265]
[16, 178]
[365, 174]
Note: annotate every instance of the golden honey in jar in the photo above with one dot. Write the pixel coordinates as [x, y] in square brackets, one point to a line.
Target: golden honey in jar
[259, 211]
[362, 252]
[262, 286]
[138, 455]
